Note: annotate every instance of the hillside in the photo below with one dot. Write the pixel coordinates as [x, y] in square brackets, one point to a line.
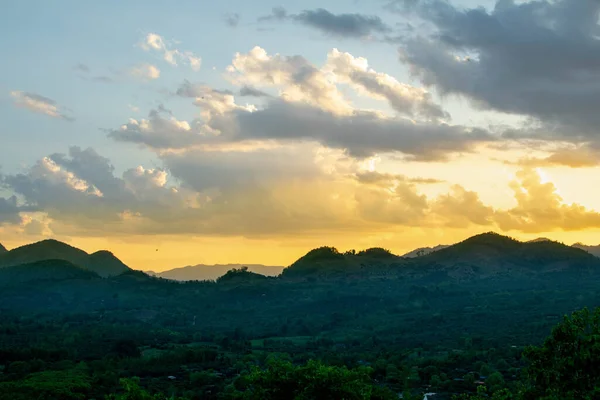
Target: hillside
[2, 249]
[203, 272]
[594, 250]
[47, 270]
[103, 263]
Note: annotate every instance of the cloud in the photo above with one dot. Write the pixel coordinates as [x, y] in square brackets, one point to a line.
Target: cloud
[339, 25]
[252, 92]
[405, 99]
[541, 209]
[540, 59]
[145, 71]
[284, 190]
[81, 68]
[387, 180]
[310, 107]
[232, 19]
[9, 210]
[582, 156]
[173, 56]
[298, 79]
[38, 104]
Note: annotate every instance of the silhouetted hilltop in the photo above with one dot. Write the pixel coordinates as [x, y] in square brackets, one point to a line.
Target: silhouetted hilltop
[2, 249]
[328, 261]
[46, 270]
[103, 263]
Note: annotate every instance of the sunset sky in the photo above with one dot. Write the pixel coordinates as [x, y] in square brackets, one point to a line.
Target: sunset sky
[193, 131]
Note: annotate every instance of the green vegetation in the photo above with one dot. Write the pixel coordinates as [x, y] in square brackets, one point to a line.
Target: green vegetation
[473, 323]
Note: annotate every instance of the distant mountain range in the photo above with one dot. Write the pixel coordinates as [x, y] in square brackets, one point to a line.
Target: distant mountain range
[203, 272]
[103, 263]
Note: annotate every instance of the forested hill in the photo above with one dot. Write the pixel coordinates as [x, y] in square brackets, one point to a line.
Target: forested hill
[479, 257]
[102, 263]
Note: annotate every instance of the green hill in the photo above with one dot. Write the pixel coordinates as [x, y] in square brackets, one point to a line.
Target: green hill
[46, 270]
[2, 249]
[103, 263]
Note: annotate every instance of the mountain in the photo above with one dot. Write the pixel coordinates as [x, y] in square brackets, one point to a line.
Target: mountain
[103, 263]
[594, 250]
[492, 254]
[423, 251]
[46, 270]
[2, 249]
[329, 262]
[203, 272]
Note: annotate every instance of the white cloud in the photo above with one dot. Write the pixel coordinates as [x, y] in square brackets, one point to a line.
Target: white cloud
[145, 71]
[173, 56]
[39, 104]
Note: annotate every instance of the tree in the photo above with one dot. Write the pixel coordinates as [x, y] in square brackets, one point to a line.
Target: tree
[282, 380]
[567, 365]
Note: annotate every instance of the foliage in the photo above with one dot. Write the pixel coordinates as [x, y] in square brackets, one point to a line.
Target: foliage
[281, 380]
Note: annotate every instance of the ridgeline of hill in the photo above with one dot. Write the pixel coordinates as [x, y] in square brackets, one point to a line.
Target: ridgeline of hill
[2, 249]
[102, 263]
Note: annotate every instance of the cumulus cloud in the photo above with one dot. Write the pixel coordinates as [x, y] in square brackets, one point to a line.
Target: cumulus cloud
[405, 99]
[156, 43]
[539, 59]
[541, 209]
[295, 76]
[339, 25]
[145, 72]
[38, 104]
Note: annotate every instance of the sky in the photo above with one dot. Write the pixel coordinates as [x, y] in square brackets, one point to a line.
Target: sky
[178, 133]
